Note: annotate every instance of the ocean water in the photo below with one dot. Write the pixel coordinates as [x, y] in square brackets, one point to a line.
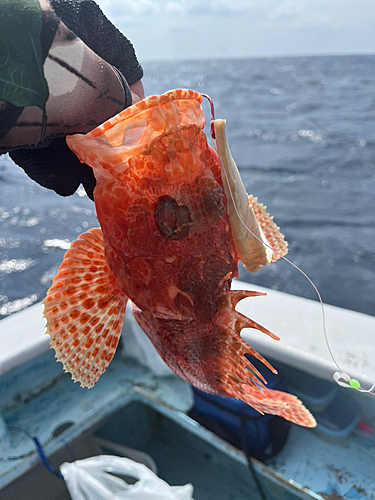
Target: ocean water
[302, 131]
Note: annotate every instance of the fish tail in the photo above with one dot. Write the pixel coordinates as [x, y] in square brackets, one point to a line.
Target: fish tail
[84, 309]
[277, 403]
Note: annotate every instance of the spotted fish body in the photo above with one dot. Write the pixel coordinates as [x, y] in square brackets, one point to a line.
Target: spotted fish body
[166, 244]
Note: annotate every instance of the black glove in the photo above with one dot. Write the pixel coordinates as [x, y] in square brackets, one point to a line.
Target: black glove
[51, 163]
[55, 167]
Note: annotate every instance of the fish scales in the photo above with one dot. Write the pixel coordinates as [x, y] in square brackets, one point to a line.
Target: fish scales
[166, 243]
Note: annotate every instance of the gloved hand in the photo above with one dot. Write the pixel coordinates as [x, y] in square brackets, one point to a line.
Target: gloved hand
[86, 87]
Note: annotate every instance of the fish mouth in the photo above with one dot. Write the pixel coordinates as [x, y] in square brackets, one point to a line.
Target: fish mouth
[250, 241]
[128, 132]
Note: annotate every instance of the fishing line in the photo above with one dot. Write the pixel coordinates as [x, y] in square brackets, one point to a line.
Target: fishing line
[340, 377]
[212, 126]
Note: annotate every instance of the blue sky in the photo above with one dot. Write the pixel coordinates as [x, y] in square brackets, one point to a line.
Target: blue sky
[200, 29]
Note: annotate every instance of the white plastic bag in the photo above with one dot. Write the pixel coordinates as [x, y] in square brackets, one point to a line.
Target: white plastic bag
[95, 479]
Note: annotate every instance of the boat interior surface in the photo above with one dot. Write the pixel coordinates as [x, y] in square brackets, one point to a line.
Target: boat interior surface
[132, 407]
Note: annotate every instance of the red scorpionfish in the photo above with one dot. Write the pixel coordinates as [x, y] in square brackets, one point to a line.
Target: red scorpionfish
[171, 236]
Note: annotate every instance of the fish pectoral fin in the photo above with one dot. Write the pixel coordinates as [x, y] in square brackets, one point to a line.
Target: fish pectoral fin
[271, 231]
[276, 403]
[84, 309]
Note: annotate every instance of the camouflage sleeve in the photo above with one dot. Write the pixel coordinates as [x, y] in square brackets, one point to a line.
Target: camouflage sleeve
[56, 72]
[86, 20]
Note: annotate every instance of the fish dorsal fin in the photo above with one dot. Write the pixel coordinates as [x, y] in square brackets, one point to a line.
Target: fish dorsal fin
[84, 309]
[271, 231]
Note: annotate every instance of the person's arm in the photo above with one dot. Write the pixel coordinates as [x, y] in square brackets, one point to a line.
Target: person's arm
[80, 88]
[87, 21]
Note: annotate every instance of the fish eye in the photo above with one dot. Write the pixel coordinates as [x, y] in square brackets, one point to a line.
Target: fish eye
[166, 218]
[171, 219]
[219, 199]
[213, 201]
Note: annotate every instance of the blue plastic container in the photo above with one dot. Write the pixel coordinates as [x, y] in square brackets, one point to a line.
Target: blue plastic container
[340, 418]
[262, 436]
[316, 394]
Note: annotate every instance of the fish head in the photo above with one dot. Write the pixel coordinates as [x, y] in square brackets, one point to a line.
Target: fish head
[161, 206]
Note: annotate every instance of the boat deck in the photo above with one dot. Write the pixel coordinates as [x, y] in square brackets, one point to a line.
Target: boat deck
[36, 395]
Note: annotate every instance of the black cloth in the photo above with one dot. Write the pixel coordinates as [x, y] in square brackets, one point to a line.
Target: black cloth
[52, 164]
[55, 167]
